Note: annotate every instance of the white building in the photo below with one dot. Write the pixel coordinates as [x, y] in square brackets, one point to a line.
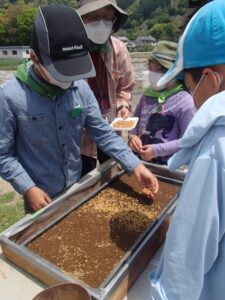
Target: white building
[17, 52]
[146, 40]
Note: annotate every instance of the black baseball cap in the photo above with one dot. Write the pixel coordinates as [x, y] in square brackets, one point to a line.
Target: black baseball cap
[60, 41]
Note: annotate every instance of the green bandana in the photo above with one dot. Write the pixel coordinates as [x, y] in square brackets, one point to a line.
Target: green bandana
[101, 47]
[43, 89]
[162, 95]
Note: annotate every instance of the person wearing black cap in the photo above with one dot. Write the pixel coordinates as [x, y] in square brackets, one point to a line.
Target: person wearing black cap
[114, 79]
[44, 109]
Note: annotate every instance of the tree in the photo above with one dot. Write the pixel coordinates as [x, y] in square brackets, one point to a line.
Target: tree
[24, 25]
[157, 30]
[164, 32]
[159, 18]
[65, 2]
[17, 22]
[124, 4]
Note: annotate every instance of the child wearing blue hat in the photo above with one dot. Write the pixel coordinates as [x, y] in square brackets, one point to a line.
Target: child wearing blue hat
[192, 266]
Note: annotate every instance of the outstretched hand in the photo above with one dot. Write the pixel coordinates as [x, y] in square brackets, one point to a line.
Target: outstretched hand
[146, 178]
[37, 198]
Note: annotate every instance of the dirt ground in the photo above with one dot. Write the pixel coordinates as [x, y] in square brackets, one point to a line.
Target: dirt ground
[5, 187]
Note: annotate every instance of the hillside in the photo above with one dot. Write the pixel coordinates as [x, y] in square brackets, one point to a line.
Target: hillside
[158, 18]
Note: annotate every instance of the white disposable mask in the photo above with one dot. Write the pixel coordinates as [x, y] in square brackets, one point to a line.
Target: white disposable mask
[52, 80]
[153, 79]
[99, 31]
[62, 85]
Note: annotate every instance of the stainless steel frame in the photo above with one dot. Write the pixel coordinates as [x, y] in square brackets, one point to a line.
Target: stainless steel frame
[14, 240]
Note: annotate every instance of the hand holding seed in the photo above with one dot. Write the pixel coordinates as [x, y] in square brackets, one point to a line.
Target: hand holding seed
[148, 193]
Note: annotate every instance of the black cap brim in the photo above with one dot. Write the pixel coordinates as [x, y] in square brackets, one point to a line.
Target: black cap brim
[67, 70]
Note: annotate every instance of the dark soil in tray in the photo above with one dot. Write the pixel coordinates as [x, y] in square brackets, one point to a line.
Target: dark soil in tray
[89, 242]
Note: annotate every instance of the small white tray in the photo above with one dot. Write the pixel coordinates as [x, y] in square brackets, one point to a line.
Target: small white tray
[124, 124]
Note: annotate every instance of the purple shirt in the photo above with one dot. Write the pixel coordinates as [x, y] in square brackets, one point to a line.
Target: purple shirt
[164, 129]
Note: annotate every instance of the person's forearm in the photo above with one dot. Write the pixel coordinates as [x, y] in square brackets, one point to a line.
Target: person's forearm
[165, 149]
[112, 144]
[116, 147]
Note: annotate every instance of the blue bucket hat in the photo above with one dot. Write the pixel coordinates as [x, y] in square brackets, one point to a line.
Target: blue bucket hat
[202, 43]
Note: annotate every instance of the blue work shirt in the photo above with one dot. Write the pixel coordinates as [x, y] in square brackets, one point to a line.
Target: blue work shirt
[40, 137]
[192, 266]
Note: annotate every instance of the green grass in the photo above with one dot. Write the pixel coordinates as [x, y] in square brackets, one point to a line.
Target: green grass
[7, 197]
[9, 64]
[11, 210]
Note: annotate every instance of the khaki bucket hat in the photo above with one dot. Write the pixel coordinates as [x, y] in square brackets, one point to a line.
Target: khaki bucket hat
[85, 7]
[164, 53]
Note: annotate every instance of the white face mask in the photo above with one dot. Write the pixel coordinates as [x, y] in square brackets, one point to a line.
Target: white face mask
[62, 85]
[153, 78]
[99, 31]
[52, 80]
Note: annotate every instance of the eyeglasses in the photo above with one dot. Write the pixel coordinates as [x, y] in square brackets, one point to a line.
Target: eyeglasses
[97, 18]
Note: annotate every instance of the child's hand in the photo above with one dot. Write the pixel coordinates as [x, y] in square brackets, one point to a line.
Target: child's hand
[37, 198]
[146, 152]
[135, 143]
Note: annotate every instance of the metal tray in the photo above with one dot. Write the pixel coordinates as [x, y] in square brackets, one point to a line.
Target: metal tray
[14, 240]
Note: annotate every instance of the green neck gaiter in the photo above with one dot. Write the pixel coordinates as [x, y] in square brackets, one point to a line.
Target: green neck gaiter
[95, 47]
[43, 89]
[162, 95]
